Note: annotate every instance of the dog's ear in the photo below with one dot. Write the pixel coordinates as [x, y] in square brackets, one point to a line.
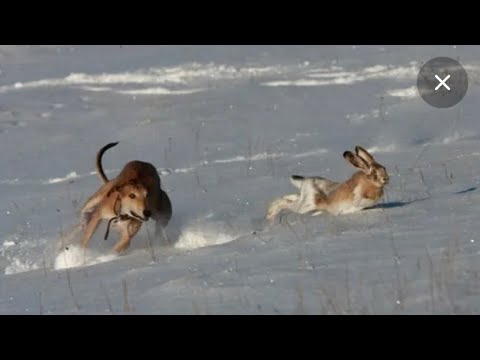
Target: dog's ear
[148, 181]
[115, 188]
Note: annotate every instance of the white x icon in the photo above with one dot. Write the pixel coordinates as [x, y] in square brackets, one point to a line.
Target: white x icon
[442, 82]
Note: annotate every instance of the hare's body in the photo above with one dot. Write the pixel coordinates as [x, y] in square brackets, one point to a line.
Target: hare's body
[364, 189]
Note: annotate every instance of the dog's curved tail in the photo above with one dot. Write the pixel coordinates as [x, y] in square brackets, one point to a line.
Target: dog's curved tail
[100, 153]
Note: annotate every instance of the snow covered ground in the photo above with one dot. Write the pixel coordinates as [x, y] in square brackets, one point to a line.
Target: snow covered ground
[226, 126]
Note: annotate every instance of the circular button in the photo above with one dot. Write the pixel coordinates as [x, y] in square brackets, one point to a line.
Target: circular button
[442, 82]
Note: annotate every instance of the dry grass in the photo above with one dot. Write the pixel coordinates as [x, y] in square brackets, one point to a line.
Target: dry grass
[127, 309]
[107, 299]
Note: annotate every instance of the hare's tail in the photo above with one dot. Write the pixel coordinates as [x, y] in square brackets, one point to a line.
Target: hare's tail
[297, 181]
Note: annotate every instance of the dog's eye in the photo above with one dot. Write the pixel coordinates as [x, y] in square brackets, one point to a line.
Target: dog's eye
[131, 196]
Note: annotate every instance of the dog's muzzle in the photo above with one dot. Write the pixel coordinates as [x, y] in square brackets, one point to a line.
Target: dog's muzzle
[146, 213]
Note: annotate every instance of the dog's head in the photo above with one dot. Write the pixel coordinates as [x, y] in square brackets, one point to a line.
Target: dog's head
[133, 200]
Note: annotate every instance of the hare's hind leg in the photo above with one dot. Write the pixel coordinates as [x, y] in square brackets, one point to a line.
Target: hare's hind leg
[307, 199]
[301, 204]
[325, 185]
[321, 203]
[285, 202]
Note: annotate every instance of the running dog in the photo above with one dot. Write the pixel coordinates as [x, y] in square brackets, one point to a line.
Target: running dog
[128, 200]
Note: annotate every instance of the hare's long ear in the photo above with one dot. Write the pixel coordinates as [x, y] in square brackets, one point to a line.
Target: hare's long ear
[356, 161]
[364, 154]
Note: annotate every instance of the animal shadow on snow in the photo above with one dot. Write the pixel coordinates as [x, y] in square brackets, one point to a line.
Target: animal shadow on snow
[395, 204]
[466, 191]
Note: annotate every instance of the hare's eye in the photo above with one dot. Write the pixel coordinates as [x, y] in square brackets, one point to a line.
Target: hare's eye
[131, 196]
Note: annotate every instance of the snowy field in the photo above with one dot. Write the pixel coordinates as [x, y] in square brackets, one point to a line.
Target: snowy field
[226, 126]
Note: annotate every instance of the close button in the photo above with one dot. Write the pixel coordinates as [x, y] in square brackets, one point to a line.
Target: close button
[442, 82]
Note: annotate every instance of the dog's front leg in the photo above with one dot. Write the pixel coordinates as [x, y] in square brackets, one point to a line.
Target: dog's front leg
[128, 232]
[91, 227]
[94, 200]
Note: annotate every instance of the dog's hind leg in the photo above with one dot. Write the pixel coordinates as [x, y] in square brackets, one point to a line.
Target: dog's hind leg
[161, 223]
[160, 231]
